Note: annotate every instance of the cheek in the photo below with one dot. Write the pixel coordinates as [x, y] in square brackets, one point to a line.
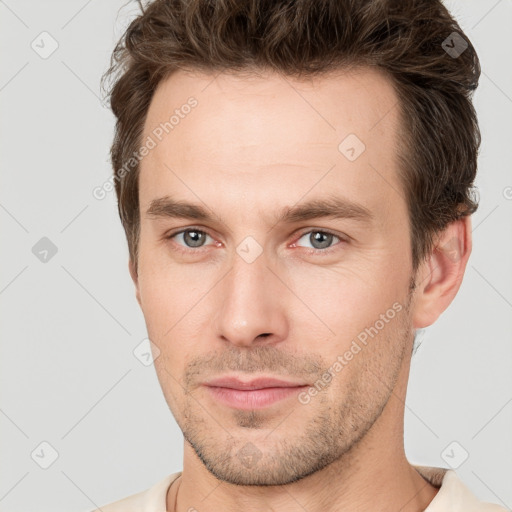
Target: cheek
[167, 290]
[173, 301]
[343, 302]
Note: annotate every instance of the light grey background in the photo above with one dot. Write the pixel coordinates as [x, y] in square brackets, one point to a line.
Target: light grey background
[69, 325]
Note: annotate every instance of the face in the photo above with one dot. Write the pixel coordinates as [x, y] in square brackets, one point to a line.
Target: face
[270, 250]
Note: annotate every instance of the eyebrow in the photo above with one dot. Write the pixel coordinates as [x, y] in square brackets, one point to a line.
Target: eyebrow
[330, 207]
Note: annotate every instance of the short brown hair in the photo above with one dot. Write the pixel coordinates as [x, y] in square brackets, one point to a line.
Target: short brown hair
[410, 40]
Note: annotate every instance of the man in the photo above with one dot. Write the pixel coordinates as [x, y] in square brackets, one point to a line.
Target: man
[295, 182]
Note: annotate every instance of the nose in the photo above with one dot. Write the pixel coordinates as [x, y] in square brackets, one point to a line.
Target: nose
[252, 305]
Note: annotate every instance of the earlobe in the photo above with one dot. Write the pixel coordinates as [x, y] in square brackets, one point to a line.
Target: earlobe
[135, 279]
[440, 276]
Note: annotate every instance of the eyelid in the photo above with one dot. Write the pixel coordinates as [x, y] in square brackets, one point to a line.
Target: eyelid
[312, 250]
[182, 248]
[343, 238]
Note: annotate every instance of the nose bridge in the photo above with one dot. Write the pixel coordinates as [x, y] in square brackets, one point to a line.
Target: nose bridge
[250, 302]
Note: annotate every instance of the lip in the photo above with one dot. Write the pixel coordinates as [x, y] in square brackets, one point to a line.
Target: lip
[254, 394]
[259, 383]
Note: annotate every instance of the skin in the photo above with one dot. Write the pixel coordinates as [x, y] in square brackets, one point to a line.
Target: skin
[251, 147]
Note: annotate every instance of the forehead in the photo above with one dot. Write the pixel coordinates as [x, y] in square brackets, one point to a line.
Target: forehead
[358, 100]
[249, 131]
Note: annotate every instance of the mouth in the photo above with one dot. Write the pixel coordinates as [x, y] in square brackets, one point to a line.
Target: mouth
[254, 394]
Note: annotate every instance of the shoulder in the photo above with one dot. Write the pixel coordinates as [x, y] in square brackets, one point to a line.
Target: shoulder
[459, 495]
[453, 495]
[149, 500]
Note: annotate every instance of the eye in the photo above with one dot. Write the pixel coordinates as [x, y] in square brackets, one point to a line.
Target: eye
[190, 238]
[193, 238]
[319, 240]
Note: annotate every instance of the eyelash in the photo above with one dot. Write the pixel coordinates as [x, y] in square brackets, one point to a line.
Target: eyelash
[310, 251]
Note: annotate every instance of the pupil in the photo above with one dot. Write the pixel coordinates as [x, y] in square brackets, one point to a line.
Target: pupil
[193, 238]
[317, 237]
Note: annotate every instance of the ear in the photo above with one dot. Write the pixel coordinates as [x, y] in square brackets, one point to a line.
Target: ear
[135, 279]
[439, 277]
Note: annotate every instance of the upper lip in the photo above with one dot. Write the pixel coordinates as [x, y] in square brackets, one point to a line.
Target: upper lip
[259, 383]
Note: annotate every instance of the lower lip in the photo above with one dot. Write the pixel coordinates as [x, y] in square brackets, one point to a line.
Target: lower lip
[253, 398]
